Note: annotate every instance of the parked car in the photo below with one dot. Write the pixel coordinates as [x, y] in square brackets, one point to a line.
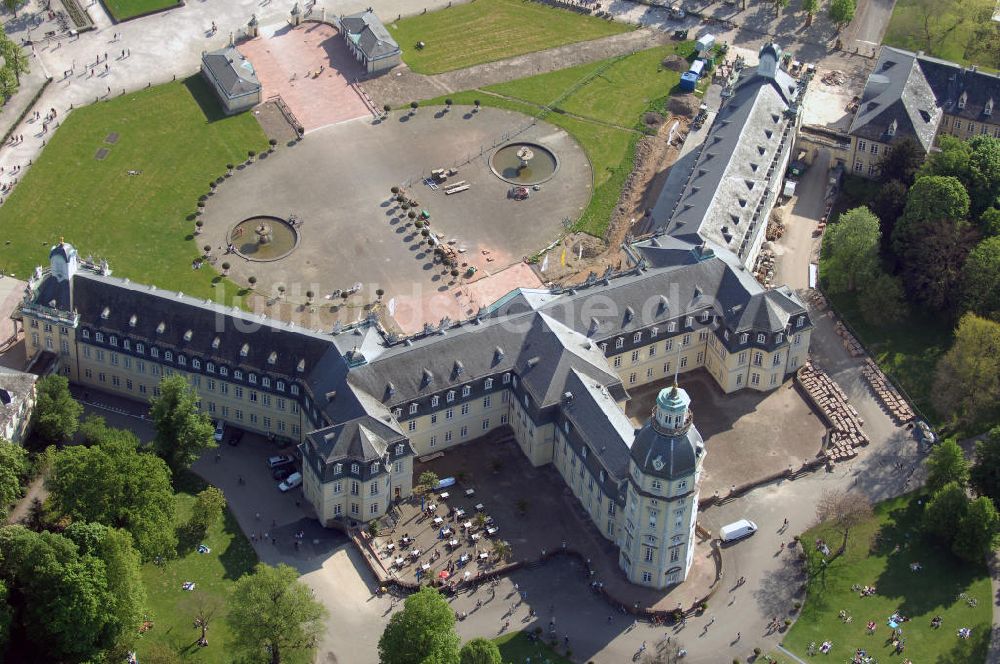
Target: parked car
[279, 460]
[281, 472]
[737, 530]
[292, 481]
[220, 431]
[237, 436]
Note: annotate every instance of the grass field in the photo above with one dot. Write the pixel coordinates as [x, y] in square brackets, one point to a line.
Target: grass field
[176, 135]
[516, 648]
[879, 553]
[125, 9]
[214, 573]
[489, 30]
[953, 31]
[604, 116]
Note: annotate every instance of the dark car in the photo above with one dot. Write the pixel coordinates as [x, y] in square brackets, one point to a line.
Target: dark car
[237, 436]
[282, 473]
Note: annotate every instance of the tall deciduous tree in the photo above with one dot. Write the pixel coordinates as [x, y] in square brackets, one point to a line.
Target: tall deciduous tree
[424, 631]
[976, 534]
[272, 613]
[981, 279]
[841, 12]
[989, 222]
[888, 206]
[967, 379]
[933, 260]
[882, 301]
[115, 484]
[14, 58]
[947, 464]
[480, 651]
[183, 432]
[984, 476]
[902, 161]
[126, 602]
[810, 7]
[57, 414]
[844, 511]
[944, 510]
[850, 250]
[60, 600]
[207, 509]
[13, 471]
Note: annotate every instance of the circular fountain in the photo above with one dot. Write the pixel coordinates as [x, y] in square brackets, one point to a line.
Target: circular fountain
[264, 238]
[524, 164]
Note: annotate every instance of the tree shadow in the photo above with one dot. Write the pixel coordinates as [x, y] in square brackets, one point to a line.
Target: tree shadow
[239, 557]
[972, 649]
[188, 538]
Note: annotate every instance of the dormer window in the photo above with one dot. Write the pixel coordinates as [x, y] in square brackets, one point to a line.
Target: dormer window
[265, 381]
[154, 352]
[397, 412]
[450, 396]
[435, 400]
[132, 321]
[963, 99]
[168, 356]
[126, 344]
[375, 467]
[272, 358]
[210, 367]
[466, 390]
[400, 449]
[215, 343]
[891, 131]
[294, 389]
[744, 338]
[280, 386]
[245, 350]
[301, 366]
[105, 313]
[355, 468]
[85, 333]
[161, 327]
[113, 340]
[688, 321]
[413, 409]
[637, 337]
[188, 335]
[459, 368]
[619, 342]
[238, 375]
[988, 108]
[488, 384]
[252, 379]
[761, 338]
[140, 348]
[497, 354]
[223, 371]
[196, 363]
[99, 337]
[181, 360]
[338, 468]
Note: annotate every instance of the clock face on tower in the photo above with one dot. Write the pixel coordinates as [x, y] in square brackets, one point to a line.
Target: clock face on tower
[658, 463]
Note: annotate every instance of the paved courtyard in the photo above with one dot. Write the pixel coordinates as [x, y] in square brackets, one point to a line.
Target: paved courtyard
[337, 182]
[748, 435]
[310, 67]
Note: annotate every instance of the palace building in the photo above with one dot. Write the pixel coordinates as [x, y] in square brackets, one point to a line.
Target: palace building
[554, 366]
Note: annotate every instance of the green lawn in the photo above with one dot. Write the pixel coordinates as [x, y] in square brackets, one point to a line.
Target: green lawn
[955, 32]
[489, 30]
[516, 648]
[176, 135]
[125, 9]
[604, 116]
[879, 553]
[213, 573]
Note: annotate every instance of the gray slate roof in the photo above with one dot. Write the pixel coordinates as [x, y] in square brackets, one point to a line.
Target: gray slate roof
[730, 176]
[596, 415]
[367, 32]
[232, 72]
[897, 101]
[678, 453]
[364, 438]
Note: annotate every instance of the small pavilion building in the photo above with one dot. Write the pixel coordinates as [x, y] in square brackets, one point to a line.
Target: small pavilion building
[370, 42]
[233, 78]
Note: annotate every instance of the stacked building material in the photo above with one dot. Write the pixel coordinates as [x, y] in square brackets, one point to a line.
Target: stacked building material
[852, 345]
[894, 403]
[846, 433]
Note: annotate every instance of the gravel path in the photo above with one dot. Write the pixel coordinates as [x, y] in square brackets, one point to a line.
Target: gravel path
[404, 86]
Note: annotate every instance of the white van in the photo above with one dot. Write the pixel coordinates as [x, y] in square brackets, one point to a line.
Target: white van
[737, 530]
[292, 481]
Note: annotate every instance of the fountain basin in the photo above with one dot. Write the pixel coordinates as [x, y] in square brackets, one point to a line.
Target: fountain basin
[508, 165]
[281, 240]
